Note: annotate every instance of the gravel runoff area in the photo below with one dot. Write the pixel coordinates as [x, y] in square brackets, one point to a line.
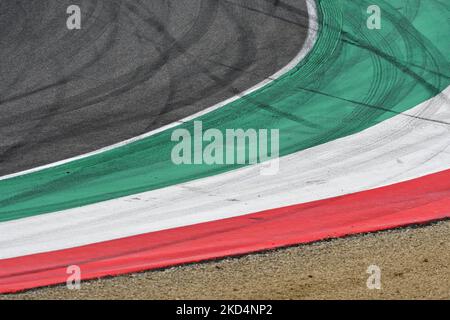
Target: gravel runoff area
[414, 264]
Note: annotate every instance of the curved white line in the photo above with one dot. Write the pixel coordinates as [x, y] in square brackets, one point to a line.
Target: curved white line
[307, 46]
[398, 149]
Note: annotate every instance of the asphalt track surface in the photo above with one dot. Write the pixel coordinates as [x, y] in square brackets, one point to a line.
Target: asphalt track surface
[133, 67]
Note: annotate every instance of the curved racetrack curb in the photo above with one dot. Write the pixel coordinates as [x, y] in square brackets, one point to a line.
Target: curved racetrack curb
[413, 202]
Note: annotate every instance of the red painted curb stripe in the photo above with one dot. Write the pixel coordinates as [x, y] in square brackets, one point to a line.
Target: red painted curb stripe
[417, 201]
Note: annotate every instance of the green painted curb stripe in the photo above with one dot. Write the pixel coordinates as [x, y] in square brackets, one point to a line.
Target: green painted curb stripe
[353, 79]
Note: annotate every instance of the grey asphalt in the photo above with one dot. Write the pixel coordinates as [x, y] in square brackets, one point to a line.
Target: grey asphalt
[134, 66]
